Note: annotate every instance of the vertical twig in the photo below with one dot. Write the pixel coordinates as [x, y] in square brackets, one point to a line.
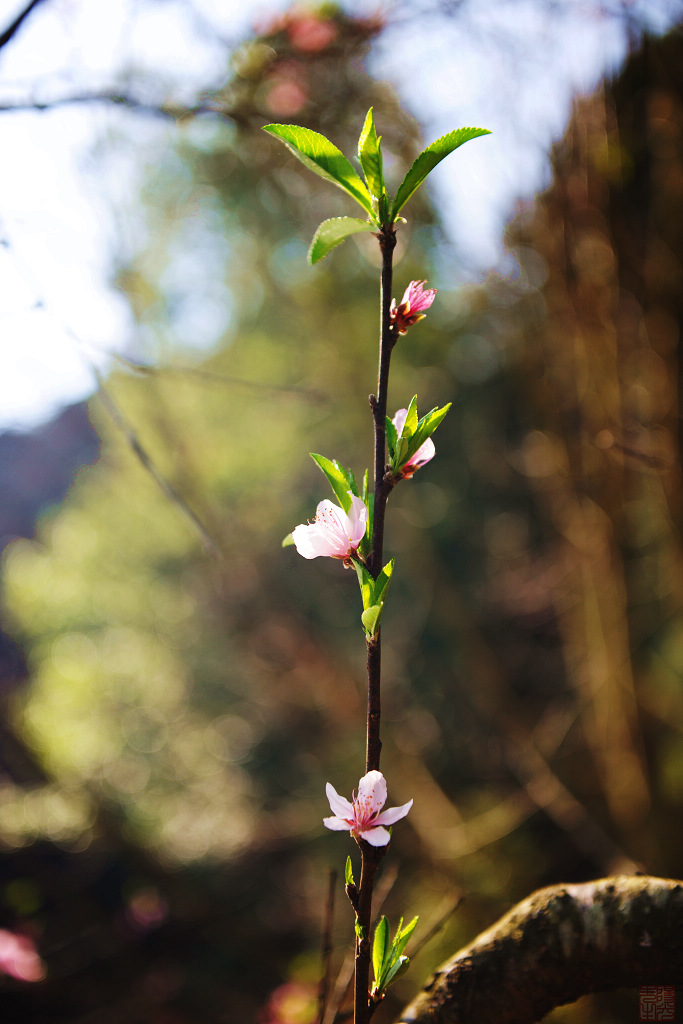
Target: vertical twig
[370, 855]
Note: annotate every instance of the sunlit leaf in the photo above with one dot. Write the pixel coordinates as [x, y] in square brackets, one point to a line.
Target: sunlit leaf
[322, 157]
[370, 619]
[424, 429]
[338, 479]
[348, 872]
[332, 232]
[380, 947]
[370, 156]
[427, 161]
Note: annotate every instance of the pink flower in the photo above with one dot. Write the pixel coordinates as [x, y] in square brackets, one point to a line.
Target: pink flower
[362, 818]
[423, 454]
[19, 957]
[333, 532]
[414, 301]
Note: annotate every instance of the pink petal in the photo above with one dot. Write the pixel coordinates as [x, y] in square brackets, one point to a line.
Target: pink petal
[393, 814]
[372, 793]
[307, 541]
[417, 298]
[336, 824]
[338, 804]
[356, 520]
[399, 419]
[423, 454]
[376, 836]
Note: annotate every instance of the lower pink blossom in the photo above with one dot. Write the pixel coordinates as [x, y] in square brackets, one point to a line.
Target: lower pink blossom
[423, 454]
[364, 817]
[333, 532]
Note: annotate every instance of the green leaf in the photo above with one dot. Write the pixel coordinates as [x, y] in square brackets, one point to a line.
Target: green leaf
[392, 438]
[320, 156]
[395, 971]
[382, 582]
[425, 428]
[409, 428]
[410, 424]
[370, 619]
[395, 964]
[380, 947]
[359, 929]
[427, 161]
[338, 479]
[348, 872]
[401, 938]
[370, 156]
[366, 583]
[332, 232]
[288, 541]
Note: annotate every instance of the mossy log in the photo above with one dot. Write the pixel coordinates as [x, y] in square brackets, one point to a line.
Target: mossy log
[561, 943]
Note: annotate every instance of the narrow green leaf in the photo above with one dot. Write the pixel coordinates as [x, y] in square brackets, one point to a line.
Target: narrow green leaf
[410, 424]
[337, 479]
[359, 929]
[409, 428]
[364, 495]
[380, 947]
[371, 619]
[370, 156]
[382, 582]
[395, 971]
[332, 232]
[401, 938]
[366, 583]
[427, 161]
[348, 872]
[425, 428]
[322, 157]
[288, 541]
[392, 438]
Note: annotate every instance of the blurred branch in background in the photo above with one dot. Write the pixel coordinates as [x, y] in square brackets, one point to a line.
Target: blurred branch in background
[9, 33]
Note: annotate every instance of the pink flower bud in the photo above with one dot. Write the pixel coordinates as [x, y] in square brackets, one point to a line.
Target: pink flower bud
[423, 454]
[415, 300]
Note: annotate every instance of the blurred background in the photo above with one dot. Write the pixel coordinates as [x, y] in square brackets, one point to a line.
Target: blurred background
[176, 688]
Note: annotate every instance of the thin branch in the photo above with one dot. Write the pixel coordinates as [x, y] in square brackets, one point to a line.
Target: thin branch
[335, 1015]
[310, 394]
[436, 927]
[12, 29]
[146, 461]
[169, 110]
[561, 943]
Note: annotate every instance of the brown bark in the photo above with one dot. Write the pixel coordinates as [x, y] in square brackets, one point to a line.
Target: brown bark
[561, 943]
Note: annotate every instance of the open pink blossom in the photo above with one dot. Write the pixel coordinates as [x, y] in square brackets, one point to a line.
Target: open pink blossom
[333, 532]
[423, 454]
[364, 817]
[19, 957]
[415, 300]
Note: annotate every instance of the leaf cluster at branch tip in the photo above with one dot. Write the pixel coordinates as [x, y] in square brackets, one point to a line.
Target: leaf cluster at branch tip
[324, 159]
